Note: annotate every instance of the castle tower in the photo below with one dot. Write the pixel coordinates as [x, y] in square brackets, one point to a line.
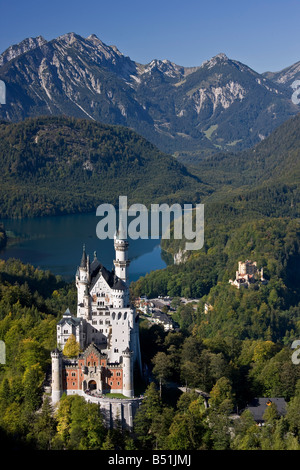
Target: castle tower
[86, 303]
[121, 262]
[82, 280]
[56, 375]
[127, 373]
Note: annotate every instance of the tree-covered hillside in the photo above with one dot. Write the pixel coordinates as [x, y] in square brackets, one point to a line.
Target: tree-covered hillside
[275, 160]
[253, 214]
[59, 165]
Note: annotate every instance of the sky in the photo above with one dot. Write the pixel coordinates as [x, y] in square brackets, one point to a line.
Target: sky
[263, 34]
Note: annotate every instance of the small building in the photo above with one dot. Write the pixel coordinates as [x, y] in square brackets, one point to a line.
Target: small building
[161, 318]
[258, 407]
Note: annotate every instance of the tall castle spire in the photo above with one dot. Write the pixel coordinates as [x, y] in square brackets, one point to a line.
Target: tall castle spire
[121, 260]
[83, 258]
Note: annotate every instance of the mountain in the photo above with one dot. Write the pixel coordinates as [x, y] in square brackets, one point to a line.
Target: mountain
[286, 76]
[222, 104]
[247, 188]
[58, 165]
[259, 182]
[17, 49]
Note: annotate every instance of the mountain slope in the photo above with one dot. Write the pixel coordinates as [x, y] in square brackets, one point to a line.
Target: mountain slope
[65, 165]
[17, 49]
[222, 104]
[258, 183]
[286, 76]
[274, 161]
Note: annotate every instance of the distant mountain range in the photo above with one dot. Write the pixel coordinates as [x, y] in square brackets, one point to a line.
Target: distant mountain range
[220, 105]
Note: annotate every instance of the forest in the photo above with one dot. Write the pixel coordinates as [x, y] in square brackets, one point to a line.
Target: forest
[233, 344]
[54, 166]
[237, 350]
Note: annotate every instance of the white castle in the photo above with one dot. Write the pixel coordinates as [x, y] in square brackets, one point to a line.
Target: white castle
[106, 328]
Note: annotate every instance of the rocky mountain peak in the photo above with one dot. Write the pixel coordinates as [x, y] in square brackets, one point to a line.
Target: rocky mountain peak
[217, 59]
[174, 107]
[21, 48]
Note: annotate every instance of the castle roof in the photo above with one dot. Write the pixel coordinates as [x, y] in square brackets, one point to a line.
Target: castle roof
[83, 258]
[109, 276]
[118, 284]
[70, 321]
[92, 348]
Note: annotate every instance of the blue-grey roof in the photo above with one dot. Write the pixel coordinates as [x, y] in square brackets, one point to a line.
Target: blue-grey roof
[83, 258]
[258, 406]
[70, 321]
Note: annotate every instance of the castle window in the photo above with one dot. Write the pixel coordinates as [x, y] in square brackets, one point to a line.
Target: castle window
[73, 374]
[118, 383]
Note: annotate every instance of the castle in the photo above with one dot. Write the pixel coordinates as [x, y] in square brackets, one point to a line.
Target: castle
[106, 328]
[247, 273]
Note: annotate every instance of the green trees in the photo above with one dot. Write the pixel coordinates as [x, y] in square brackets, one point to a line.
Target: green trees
[152, 421]
[79, 425]
[72, 347]
[28, 320]
[60, 165]
[162, 368]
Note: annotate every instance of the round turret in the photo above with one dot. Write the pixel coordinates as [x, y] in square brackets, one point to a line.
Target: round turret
[127, 373]
[56, 357]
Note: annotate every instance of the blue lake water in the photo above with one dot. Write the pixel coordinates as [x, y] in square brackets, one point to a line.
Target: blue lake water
[55, 244]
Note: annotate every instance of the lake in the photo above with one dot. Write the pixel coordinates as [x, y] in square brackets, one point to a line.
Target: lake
[55, 244]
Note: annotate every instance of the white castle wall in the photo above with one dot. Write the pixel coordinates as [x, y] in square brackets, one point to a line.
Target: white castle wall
[112, 409]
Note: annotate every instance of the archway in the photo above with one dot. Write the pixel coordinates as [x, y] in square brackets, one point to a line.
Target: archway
[92, 385]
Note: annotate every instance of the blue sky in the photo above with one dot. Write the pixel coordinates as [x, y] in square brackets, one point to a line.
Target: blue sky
[263, 34]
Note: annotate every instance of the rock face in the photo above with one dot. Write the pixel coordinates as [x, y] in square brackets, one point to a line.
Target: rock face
[180, 257]
[16, 50]
[222, 104]
[286, 76]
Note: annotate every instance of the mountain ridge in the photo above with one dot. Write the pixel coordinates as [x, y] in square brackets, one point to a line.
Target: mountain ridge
[221, 104]
[59, 165]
